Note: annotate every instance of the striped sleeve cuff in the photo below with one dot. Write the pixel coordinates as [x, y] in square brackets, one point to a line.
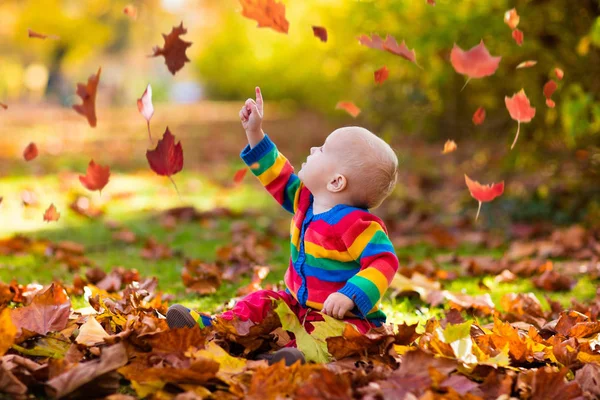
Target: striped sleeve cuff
[358, 296]
[252, 155]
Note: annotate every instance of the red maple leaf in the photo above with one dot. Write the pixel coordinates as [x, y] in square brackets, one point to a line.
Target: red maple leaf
[167, 158]
[96, 177]
[349, 107]
[320, 32]
[381, 74]
[268, 14]
[88, 95]
[474, 63]
[520, 110]
[390, 45]
[174, 49]
[479, 116]
[484, 193]
[51, 214]
[549, 89]
[517, 34]
[146, 108]
[30, 152]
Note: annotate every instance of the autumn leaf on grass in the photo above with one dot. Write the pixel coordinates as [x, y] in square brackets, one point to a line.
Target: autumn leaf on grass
[449, 146]
[88, 95]
[320, 32]
[381, 74]
[96, 177]
[33, 34]
[48, 312]
[511, 18]
[517, 34]
[349, 107]
[559, 73]
[526, 64]
[390, 45]
[30, 152]
[131, 11]
[146, 108]
[51, 214]
[484, 193]
[199, 277]
[167, 158]
[174, 49]
[479, 116]
[549, 89]
[520, 110]
[268, 14]
[475, 63]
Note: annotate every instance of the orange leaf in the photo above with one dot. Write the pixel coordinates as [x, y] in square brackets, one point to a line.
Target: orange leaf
[146, 108]
[475, 62]
[484, 193]
[37, 35]
[320, 32]
[239, 175]
[550, 103]
[518, 36]
[479, 116]
[449, 146]
[88, 95]
[268, 14]
[526, 64]
[131, 11]
[390, 45]
[30, 152]
[3, 106]
[520, 110]
[511, 18]
[48, 312]
[559, 73]
[96, 177]
[382, 74]
[174, 49]
[349, 107]
[51, 214]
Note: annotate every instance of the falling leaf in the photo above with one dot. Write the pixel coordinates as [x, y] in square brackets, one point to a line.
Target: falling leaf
[88, 95]
[390, 45]
[483, 193]
[526, 64]
[474, 63]
[4, 106]
[320, 32]
[96, 176]
[239, 175]
[131, 11]
[146, 108]
[167, 158]
[517, 34]
[30, 152]
[431, 2]
[382, 74]
[349, 107]
[33, 34]
[48, 312]
[449, 146]
[549, 89]
[268, 14]
[479, 116]
[520, 110]
[174, 49]
[559, 73]
[51, 214]
[511, 18]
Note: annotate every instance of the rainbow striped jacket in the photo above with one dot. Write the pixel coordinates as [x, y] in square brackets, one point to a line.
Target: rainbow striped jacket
[345, 249]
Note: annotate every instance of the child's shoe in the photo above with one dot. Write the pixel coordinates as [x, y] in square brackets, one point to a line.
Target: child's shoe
[179, 316]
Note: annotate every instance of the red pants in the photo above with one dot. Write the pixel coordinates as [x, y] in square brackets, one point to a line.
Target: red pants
[255, 307]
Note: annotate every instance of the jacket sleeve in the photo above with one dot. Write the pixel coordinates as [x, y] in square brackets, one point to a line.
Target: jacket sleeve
[367, 242]
[274, 172]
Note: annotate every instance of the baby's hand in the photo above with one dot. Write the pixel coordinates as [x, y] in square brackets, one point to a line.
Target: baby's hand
[251, 116]
[337, 305]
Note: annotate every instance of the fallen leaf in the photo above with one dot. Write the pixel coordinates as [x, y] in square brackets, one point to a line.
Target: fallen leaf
[268, 14]
[51, 214]
[475, 62]
[349, 107]
[483, 193]
[8, 330]
[526, 64]
[239, 175]
[479, 116]
[449, 147]
[320, 32]
[131, 11]
[96, 177]
[88, 95]
[91, 333]
[146, 108]
[33, 34]
[559, 73]
[549, 89]
[520, 110]
[553, 281]
[30, 152]
[199, 277]
[174, 49]
[517, 35]
[48, 312]
[167, 158]
[588, 378]
[511, 18]
[390, 45]
[381, 74]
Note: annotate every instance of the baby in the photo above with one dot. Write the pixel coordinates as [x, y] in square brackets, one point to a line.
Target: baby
[342, 260]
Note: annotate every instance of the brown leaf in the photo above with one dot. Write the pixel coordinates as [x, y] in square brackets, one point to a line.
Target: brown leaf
[48, 312]
[201, 278]
[174, 49]
[88, 95]
[30, 152]
[554, 281]
[588, 378]
[33, 34]
[320, 32]
[549, 384]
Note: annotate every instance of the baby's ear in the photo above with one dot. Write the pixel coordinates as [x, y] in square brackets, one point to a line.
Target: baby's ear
[337, 183]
